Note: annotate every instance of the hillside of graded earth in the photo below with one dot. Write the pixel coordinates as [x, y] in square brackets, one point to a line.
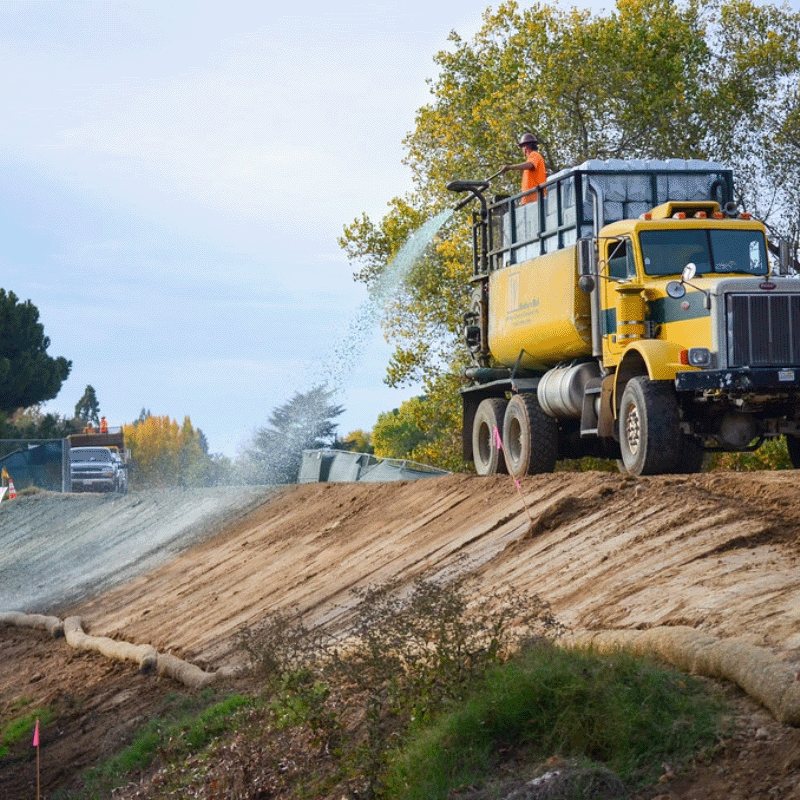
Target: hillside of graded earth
[718, 552]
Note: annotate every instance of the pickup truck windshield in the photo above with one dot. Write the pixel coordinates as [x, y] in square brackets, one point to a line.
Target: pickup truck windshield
[715, 250]
[89, 454]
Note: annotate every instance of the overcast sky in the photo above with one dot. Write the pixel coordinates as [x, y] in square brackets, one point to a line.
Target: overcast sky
[173, 179]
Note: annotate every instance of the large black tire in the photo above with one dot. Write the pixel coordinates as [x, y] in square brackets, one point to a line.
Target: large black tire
[793, 446]
[486, 455]
[530, 437]
[691, 458]
[649, 427]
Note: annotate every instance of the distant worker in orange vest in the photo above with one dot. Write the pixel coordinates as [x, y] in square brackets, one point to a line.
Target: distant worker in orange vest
[103, 425]
[88, 428]
[532, 168]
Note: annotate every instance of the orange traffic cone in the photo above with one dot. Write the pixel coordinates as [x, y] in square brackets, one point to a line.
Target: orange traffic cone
[12, 492]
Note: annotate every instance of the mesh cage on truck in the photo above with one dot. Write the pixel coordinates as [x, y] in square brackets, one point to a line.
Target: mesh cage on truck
[566, 207]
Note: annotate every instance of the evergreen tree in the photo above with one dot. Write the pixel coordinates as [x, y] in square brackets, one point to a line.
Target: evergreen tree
[303, 423]
[202, 441]
[87, 409]
[27, 374]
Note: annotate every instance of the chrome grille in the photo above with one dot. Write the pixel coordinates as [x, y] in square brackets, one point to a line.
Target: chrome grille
[763, 330]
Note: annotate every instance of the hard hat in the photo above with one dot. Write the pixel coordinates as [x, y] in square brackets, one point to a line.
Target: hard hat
[528, 138]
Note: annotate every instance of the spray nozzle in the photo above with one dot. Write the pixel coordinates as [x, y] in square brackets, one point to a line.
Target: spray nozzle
[468, 186]
[475, 188]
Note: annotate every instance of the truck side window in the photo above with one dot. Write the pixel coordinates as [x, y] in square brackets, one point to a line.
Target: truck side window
[619, 263]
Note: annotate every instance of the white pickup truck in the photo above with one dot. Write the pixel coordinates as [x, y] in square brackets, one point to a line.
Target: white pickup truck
[96, 469]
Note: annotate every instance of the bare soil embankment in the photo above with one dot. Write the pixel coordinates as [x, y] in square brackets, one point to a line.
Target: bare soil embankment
[718, 552]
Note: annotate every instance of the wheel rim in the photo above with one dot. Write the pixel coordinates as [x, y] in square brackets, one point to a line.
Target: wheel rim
[633, 431]
[484, 444]
[514, 444]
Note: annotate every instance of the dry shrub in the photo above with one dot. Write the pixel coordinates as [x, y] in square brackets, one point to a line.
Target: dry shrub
[411, 653]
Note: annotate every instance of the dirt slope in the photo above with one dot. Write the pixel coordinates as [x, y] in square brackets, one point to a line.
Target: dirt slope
[57, 548]
[720, 552]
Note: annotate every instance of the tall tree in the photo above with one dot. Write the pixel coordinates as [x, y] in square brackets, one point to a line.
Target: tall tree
[202, 441]
[303, 423]
[623, 85]
[87, 409]
[755, 107]
[27, 374]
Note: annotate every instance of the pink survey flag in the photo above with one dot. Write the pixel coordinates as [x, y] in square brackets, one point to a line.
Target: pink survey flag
[36, 733]
[497, 439]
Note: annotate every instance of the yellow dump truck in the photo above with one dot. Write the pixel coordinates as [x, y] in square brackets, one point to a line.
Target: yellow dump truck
[630, 311]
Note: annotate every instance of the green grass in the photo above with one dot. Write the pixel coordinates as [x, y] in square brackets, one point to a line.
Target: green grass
[619, 711]
[21, 727]
[169, 738]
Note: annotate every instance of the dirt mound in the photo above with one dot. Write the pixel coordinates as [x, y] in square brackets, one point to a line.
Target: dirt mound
[717, 552]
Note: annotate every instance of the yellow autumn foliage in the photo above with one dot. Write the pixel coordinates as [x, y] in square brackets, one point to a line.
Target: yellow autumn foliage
[165, 453]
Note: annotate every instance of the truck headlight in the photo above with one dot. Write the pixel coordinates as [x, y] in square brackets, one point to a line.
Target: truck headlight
[700, 357]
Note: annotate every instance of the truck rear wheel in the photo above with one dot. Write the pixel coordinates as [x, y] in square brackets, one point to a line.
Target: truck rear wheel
[530, 437]
[486, 455]
[649, 427]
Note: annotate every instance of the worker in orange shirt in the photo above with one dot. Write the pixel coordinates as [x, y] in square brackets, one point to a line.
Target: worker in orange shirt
[103, 425]
[532, 168]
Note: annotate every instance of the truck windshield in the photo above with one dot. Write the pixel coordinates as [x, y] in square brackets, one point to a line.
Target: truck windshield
[89, 454]
[716, 250]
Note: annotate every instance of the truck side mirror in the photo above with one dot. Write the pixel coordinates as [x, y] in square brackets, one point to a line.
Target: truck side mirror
[676, 289]
[586, 270]
[783, 257]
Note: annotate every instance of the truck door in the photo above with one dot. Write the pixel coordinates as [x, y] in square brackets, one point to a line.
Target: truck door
[623, 303]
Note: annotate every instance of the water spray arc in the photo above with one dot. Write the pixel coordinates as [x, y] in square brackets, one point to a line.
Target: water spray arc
[298, 424]
[349, 349]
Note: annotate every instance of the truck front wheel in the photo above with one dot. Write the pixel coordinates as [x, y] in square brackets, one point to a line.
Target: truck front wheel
[530, 437]
[487, 456]
[649, 427]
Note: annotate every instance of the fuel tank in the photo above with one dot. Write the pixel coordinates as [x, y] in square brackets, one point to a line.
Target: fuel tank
[537, 309]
